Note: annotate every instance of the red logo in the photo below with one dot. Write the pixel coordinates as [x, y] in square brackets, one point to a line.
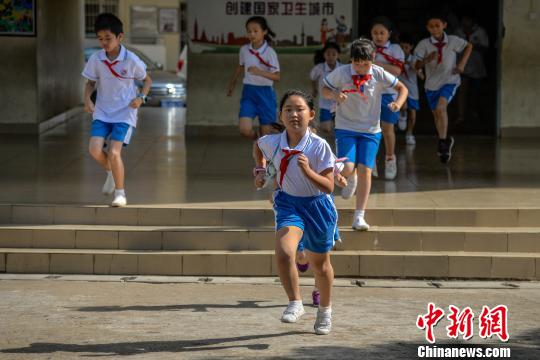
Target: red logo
[494, 322]
[429, 321]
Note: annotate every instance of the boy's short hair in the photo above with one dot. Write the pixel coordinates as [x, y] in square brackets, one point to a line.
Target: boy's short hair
[436, 15]
[363, 49]
[108, 21]
[331, 45]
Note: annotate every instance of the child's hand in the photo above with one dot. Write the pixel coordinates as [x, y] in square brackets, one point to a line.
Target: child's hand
[420, 74]
[259, 180]
[394, 106]
[136, 103]
[458, 69]
[340, 97]
[340, 180]
[89, 106]
[230, 90]
[432, 56]
[253, 70]
[303, 162]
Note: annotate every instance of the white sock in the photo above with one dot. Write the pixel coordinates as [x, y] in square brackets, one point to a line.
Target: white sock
[325, 310]
[119, 192]
[296, 303]
[359, 213]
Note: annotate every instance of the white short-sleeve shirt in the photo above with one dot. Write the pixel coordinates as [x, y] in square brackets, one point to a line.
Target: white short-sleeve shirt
[247, 60]
[409, 78]
[438, 75]
[315, 148]
[318, 73]
[115, 91]
[359, 113]
[395, 51]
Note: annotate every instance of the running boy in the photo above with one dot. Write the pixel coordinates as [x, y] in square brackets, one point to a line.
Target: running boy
[438, 55]
[113, 70]
[303, 203]
[357, 88]
[260, 66]
[410, 80]
[327, 107]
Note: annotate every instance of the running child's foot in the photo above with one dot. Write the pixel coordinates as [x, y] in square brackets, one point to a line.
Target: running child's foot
[109, 185]
[360, 224]
[293, 312]
[323, 323]
[374, 171]
[402, 122]
[302, 267]
[410, 140]
[120, 199]
[348, 191]
[316, 296]
[445, 149]
[390, 169]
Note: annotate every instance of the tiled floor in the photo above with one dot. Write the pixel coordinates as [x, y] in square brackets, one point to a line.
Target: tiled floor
[164, 168]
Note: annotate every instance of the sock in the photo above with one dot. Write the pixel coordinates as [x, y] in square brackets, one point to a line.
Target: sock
[325, 310]
[296, 303]
[359, 213]
[119, 192]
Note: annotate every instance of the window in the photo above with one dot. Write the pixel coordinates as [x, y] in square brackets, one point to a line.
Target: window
[92, 8]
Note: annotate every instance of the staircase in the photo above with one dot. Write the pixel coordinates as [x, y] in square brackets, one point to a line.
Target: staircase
[403, 243]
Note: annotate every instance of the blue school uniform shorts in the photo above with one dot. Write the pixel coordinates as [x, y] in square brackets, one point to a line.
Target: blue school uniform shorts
[258, 101]
[387, 115]
[357, 147]
[326, 115]
[446, 91]
[413, 104]
[113, 131]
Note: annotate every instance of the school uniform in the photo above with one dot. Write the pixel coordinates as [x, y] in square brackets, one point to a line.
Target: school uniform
[297, 201]
[358, 129]
[440, 78]
[389, 54]
[410, 80]
[116, 89]
[258, 95]
[327, 107]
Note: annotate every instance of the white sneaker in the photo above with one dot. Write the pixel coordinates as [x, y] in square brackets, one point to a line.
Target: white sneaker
[410, 140]
[402, 122]
[292, 313]
[119, 201]
[360, 224]
[374, 171]
[348, 191]
[323, 323]
[108, 187]
[390, 169]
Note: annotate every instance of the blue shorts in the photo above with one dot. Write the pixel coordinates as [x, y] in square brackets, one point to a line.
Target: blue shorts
[387, 115]
[359, 148]
[301, 246]
[258, 101]
[113, 131]
[315, 215]
[446, 91]
[326, 115]
[413, 104]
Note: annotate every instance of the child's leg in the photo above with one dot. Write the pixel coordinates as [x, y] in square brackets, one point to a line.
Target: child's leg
[116, 163]
[326, 127]
[441, 117]
[389, 139]
[287, 239]
[245, 125]
[411, 121]
[301, 257]
[364, 187]
[95, 148]
[324, 276]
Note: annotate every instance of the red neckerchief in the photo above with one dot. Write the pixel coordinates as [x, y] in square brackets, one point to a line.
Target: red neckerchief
[111, 69]
[392, 60]
[359, 81]
[439, 45]
[285, 163]
[261, 60]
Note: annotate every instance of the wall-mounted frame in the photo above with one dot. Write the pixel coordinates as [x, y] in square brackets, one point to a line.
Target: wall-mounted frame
[168, 20]
[18, 18]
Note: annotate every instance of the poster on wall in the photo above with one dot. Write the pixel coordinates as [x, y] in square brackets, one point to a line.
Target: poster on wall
[18, 17]
[168, 20]
[218, 26]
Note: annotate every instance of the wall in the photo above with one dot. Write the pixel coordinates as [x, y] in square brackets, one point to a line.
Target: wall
[520, 108]
[170, 42]
[209, 76]
[60, 56]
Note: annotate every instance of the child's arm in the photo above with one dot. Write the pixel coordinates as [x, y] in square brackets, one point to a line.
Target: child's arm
[239, 70]
[466, 54]
[274, 76]
[392, 69]
[88, 89]
[323, 181]
[138, 101]
[330, 94]
[260, 164]
[429, 58]
[314, 88]
[402, 97]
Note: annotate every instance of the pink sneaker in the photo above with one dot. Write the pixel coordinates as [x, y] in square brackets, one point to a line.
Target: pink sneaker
[302, 267]
[316, 297]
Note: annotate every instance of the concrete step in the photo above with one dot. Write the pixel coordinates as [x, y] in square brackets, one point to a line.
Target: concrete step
[379, 238]
[519, 266]
[253, 217]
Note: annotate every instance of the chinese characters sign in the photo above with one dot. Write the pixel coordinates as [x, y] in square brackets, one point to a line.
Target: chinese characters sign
[300, 26]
